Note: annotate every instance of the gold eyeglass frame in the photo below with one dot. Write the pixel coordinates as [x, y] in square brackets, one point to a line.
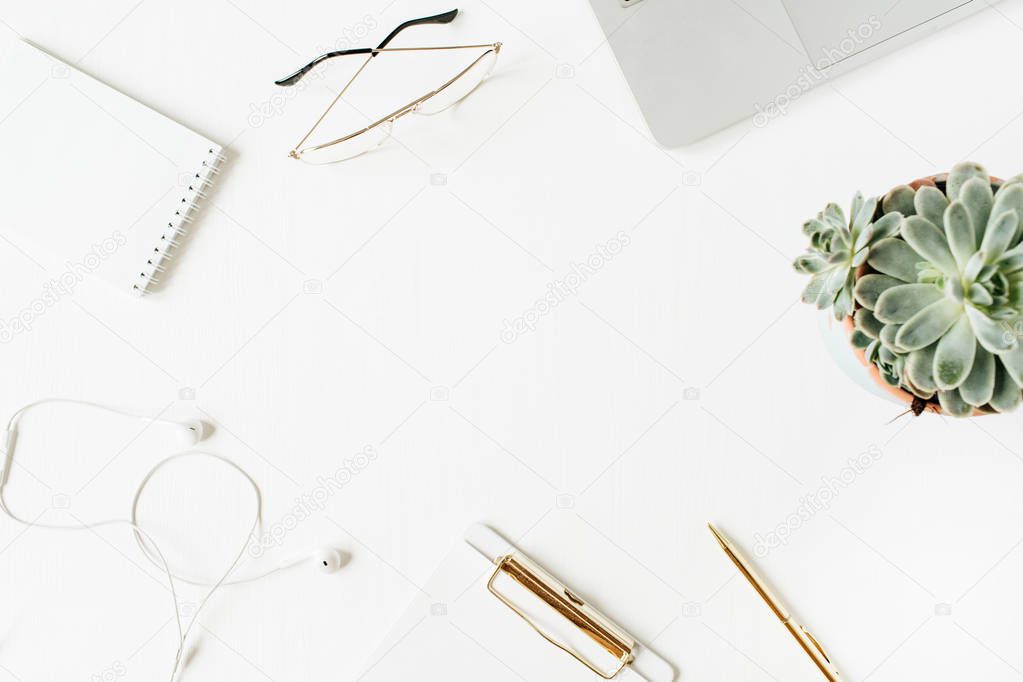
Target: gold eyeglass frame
[298, 150]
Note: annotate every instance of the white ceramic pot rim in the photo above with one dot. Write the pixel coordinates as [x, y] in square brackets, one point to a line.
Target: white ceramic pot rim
[837, 341]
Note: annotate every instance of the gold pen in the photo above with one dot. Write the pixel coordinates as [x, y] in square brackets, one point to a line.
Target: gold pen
[810, 645]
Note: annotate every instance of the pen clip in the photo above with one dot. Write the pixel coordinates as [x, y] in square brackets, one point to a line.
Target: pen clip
[809, 636]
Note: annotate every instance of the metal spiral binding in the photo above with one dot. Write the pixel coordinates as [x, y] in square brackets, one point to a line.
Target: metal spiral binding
[198, 187]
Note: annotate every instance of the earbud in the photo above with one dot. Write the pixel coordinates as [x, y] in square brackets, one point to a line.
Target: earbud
[328, 559]
[325, 558]
[194, 431]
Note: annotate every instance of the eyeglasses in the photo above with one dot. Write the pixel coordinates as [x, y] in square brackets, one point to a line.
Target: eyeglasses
[435, 101]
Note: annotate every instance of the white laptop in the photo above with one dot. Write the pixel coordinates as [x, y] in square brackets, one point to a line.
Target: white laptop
[697, 66]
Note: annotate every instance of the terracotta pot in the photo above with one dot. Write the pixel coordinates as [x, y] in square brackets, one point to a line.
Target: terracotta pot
[900, 394]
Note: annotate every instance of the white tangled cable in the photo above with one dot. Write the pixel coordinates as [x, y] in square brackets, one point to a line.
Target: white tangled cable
[146, 543]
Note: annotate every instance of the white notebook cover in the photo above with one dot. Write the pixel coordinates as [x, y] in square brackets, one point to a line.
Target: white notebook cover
[94, 182]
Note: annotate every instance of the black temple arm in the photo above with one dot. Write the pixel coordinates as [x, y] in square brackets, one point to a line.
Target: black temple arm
[444, 18]
[297, 76]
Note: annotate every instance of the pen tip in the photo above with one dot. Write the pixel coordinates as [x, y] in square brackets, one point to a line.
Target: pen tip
[717, 535]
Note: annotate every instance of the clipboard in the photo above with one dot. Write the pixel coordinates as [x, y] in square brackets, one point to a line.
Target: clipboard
[493, 612]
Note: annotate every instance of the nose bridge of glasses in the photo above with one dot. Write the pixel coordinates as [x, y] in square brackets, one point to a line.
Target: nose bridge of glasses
[410, 109]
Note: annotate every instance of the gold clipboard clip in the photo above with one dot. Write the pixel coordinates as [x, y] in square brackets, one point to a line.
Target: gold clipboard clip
[557, 596]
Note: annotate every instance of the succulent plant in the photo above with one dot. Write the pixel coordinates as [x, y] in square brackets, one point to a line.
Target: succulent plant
[837, 249]
[939, 301]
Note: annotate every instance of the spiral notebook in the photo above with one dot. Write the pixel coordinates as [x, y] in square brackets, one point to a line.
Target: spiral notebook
[95, 183]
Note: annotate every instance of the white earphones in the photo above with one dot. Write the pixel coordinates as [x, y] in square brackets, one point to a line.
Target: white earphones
[194, 431]
[328, 559]
[190, 432]
[325, 558]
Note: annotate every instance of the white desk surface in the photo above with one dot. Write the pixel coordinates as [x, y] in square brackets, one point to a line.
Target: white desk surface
[319, 311]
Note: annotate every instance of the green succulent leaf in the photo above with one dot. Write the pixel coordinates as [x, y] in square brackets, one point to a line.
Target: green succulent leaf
[928, 241]
[887, 337]
[930, 324]
[995, 337]
[809, 264]
[864, 213]
[987, 271]
[979, 296]
[865, 236]
[899, 303]
[1011, 261]
[999, 235]
[855, 207]
[894, 257]
[867, 323]
[953, 359]
[900, 200]
[844, 300]
[977, 195]
[813, 288]
[890, 375]
[887, 226]
[834, 215]
[871, 351]
[1007, 395]
[870, 287]
[1009, 198]
[979, 386]
[953, 403]
[1013, 362]
[860, 340]
[974, 267]
[960, 174]
[815, 226]
[885, 354]
[920, 368]
[930, 204]
[834, 281]
[959, 231]
[954, 289]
